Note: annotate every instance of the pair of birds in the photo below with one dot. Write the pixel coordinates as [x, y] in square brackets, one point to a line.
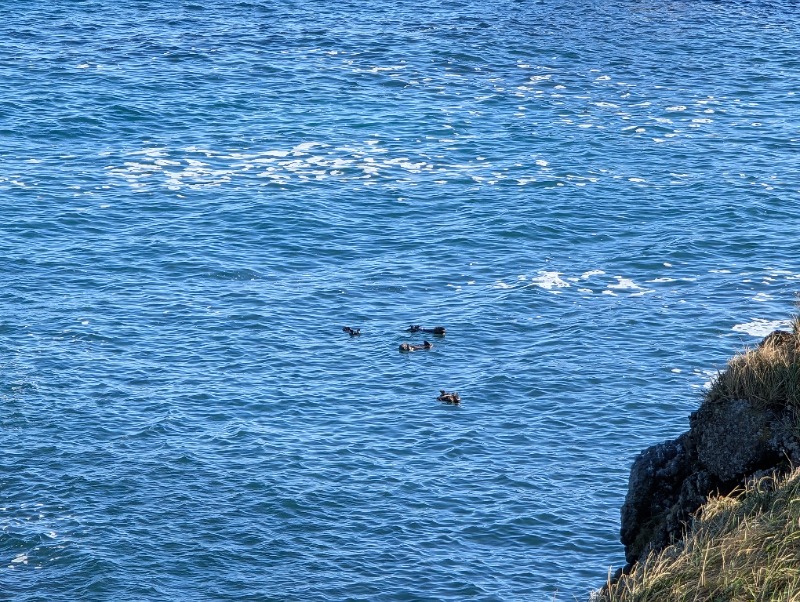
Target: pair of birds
[437, 330]
[450, 398]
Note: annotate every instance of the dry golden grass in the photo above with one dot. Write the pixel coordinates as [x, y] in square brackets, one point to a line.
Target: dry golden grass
[768, 374]
[743, 548]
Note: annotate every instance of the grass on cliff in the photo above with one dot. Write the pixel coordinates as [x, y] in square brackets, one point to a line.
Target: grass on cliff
[741, 548]
[768, 374]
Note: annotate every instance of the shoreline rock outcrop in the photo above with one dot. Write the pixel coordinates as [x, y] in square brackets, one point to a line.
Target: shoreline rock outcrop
[732, 439]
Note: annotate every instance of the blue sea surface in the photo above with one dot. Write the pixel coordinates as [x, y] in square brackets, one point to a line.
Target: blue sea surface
[598, 200]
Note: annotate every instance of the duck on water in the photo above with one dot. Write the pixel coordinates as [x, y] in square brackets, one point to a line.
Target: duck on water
[452, 398]
[407, 347]
[437, 330]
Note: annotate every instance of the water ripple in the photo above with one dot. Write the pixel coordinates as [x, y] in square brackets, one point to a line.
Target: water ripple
[595, 200]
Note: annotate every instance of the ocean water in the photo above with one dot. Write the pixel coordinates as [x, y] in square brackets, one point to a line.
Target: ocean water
[598, 200]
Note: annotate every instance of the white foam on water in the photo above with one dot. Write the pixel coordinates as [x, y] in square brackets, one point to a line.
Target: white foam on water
[239, 156]
[203, 151]
[304, 146]
[675, 108]
[20, 558]
[709, 375]
[548, 281]
[590, 273]
[294, 165]
[158, 151]
[625, 284]
[501, 284]
[318, 160]
[134, 166]
[761, 297]
[759, 327]
[412, 167]
[340, 163]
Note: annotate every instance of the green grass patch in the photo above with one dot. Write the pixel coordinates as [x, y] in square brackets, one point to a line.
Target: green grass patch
[743, 547]
[768, 375]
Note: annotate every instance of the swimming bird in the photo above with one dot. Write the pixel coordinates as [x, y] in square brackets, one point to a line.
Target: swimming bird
[437, 330]
[406, 347]
[353, 332]
[451, 398]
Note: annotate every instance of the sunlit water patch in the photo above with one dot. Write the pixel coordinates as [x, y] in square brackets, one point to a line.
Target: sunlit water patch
[596, 201]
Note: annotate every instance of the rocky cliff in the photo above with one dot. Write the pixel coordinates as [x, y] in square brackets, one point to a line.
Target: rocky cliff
[747, 426]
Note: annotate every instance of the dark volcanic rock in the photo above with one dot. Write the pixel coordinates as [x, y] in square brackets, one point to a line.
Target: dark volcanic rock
[732, 438]
[778, 338]
[654, 489]
[728, 442]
